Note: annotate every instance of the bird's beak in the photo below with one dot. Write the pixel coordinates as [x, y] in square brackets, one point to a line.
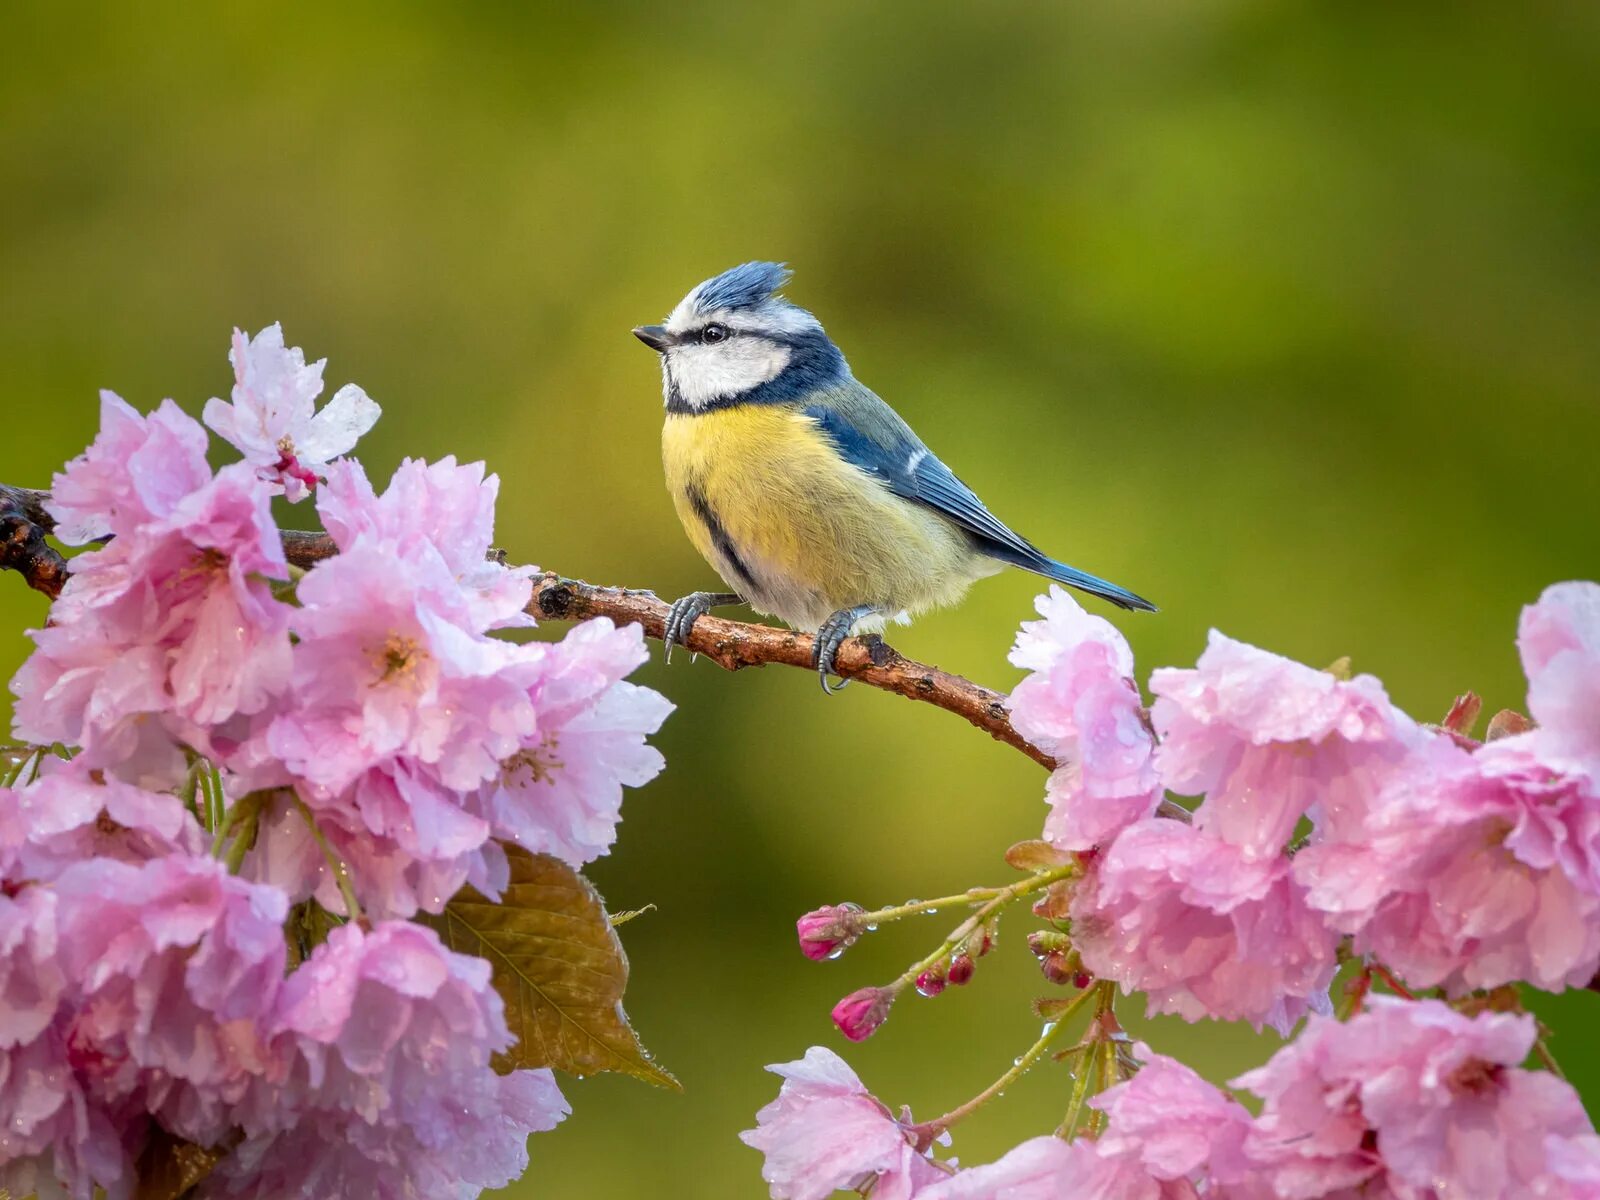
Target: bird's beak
[654, 336]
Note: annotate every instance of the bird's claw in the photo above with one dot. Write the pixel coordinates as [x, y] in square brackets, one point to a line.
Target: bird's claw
[685, 611]
[833, 634]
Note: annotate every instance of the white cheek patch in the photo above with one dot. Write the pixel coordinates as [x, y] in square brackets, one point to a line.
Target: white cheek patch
[706, 372]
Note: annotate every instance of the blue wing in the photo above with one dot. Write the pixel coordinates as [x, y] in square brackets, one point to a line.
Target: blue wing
[910, 470]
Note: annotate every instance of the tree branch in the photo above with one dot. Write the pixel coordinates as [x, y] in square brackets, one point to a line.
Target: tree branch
[23, 525]
[732, 645]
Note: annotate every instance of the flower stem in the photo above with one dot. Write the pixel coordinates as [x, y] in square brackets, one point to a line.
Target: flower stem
[335, 864]
[1096, 1071]
[1052, 1030]
[997, 899]
[1395, 986]
[972, 897]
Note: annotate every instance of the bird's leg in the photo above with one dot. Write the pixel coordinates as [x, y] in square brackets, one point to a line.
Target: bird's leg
[686, 610]
[831, 636]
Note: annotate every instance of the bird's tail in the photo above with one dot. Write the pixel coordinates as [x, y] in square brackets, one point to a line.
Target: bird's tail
[1040, 564]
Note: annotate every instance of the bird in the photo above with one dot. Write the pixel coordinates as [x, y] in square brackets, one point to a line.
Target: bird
[811, 497]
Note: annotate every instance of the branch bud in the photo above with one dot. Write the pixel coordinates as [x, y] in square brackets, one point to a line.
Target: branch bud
[860, 1013]
[828, 932]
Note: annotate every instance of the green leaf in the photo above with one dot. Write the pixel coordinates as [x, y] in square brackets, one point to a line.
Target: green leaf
[1034, 856]
[307, 928]
[169, 1166]
[558, 966]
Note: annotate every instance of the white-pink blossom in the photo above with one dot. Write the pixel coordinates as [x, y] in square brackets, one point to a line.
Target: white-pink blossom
[380, 1080]
[135, 471]
[1472, 870]
[1268, 740]
[1559, 637]
[174, 966]
[1081, 706]
[174, 619]
[1409, 1098]
[826, 1132]
[272, 419]
[70, 814]
[441, 510]
[1202, 927]
[562, 793]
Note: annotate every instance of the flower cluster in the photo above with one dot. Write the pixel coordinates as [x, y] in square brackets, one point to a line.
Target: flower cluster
[1406, 1100]
[235, 737]
[1329, 827]
[1326, 813]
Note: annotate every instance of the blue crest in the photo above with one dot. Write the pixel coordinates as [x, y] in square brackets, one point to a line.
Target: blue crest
[744, 286]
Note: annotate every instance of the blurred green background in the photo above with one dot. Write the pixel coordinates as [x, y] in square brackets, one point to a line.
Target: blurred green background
[1284, 315]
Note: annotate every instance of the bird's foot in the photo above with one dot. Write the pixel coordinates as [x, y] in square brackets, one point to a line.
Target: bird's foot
[831, 636]
[686, 610]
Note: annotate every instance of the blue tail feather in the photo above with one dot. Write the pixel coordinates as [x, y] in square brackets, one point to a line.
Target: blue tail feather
[1039, 564]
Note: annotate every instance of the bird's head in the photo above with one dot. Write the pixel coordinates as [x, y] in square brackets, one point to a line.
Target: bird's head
[734, 340]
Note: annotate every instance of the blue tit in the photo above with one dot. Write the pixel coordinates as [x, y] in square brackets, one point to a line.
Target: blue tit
[809, 495]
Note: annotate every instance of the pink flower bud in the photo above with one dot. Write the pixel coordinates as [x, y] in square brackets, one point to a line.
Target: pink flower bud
[1059, 968]
[961, 969]
[861, 1012]
[931, 982]
[827, 932]
[981, 942]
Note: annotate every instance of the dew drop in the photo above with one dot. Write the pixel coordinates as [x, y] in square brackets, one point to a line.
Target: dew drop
[873, 928]
[1017, 1061]
[835, 952]
[932, 912]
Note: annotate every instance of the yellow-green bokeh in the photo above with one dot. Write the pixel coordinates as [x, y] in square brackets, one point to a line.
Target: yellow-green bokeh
[1285, 315]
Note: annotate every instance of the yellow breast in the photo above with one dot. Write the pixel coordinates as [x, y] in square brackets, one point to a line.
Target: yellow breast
[796, 530]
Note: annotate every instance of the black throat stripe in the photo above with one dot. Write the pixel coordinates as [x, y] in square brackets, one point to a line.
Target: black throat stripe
[719, 538]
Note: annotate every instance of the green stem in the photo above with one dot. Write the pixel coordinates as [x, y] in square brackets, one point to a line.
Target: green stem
[225, 825]
[973, 897]
[1091, 1067]
[1035, 1052]
[999, 898]
[335, 864]
[245, 832]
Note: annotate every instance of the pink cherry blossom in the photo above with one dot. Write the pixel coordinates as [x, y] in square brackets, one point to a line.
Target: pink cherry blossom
[1560, 642]
[1081, 706]
[272, 420]
[31, 980]
[1473, 870]
[175, 965]
[825, 1132]
[1178, 1125]
[136, 471]
[53, 1136]
[174, 618]
[1267, 741]
[383, 676]
[1045, 1168]
[561, 792]
[70, 815]
[380, 1076]
[441, 510]
[1202, 927]
[1170, 1135]
[1409, 1098]
[1574, 1168]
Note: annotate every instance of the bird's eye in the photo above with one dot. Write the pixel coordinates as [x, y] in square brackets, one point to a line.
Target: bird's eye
[714, 333]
